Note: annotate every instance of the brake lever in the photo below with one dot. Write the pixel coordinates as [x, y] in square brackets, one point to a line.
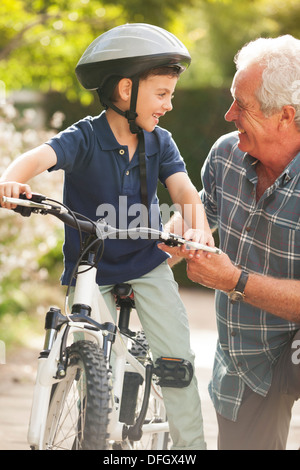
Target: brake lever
[170, 239]
[36, 197]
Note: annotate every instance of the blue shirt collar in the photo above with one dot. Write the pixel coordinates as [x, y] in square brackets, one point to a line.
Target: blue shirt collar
[107, 141]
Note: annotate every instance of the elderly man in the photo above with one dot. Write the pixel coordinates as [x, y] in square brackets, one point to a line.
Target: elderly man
[251, 194]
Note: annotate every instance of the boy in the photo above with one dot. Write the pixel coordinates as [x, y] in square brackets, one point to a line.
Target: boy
[135, 69]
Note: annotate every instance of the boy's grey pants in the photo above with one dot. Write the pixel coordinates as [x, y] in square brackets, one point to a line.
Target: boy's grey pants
[164, 321]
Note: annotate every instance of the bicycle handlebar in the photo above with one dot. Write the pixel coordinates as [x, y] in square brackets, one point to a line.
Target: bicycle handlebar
[28, 206]
[41, 204]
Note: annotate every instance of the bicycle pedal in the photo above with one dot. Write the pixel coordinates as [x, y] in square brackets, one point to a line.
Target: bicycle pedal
[173, 372]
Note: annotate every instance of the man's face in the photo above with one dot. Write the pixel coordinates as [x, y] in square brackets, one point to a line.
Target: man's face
[154, 100]
[257, 133]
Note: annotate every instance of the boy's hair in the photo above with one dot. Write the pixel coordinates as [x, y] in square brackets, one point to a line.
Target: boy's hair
[169, 71]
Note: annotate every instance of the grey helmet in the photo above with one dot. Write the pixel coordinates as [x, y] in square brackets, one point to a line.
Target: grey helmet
[127, 51]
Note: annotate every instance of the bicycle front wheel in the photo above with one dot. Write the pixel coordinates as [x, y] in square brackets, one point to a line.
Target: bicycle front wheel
[79, 404]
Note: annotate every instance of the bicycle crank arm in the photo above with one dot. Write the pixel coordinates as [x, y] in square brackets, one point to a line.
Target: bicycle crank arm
[135, 432]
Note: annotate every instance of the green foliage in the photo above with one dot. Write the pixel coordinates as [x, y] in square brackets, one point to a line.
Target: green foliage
[51, 259]
[214, 30]
[41, 41]
[233, 25]
[152, 11]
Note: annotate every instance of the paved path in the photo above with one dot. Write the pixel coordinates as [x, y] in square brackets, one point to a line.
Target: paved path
[17, 379]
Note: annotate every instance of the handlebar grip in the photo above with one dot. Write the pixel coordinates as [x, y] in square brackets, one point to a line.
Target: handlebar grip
[24, 211]
[27, 211]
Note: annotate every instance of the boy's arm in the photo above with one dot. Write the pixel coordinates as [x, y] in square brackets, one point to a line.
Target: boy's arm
[184, 193]
[25, 167]
[176, 225]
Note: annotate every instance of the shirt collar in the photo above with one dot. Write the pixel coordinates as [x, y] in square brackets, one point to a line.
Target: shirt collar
[249, 163]
[107, 140]
[290, 171]
[105, 136]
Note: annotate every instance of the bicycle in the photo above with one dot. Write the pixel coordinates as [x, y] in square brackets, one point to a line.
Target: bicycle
[96, 385]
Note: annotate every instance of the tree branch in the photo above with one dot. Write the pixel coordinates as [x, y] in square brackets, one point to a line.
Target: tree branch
[15, 42]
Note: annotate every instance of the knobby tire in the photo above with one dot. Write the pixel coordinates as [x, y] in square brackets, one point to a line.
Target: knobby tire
[79, 406]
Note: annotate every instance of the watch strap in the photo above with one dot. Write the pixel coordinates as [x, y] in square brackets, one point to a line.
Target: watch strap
[237, 294]
[240, 287]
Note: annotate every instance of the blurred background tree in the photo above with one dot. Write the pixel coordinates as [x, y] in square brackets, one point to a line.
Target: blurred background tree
[41, 42]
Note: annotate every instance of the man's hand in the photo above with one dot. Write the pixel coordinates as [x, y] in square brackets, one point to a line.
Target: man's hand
[215, 271]
[198, 236]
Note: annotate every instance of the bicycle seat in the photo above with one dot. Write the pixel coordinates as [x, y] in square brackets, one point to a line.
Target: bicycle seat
[123, 290]
[124, 297]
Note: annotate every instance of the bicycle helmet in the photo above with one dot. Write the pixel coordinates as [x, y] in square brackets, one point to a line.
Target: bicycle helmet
[127, 51]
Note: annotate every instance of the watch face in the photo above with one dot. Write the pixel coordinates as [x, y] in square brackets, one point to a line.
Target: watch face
[236, 296]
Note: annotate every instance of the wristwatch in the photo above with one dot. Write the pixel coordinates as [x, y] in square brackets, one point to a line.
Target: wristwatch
[237, 294]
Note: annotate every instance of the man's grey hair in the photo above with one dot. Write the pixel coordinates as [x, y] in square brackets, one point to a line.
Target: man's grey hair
[280, 58]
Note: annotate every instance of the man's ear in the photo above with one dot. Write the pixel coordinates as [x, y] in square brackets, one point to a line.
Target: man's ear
[125, 86]
[287, 117]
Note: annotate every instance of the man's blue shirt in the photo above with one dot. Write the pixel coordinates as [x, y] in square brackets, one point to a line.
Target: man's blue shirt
[98, 178]
[262, 237]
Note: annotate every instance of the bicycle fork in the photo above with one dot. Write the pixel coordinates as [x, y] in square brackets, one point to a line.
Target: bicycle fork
[49, 371]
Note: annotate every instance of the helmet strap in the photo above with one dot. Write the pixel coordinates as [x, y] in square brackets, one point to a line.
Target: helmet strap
[143, 176]
[131, 115]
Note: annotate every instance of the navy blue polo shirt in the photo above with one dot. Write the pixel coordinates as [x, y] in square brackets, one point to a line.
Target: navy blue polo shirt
[101, 181]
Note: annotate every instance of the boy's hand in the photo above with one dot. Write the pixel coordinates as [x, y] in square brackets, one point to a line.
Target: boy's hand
[198, 236]
[13, 189]
[178, 253]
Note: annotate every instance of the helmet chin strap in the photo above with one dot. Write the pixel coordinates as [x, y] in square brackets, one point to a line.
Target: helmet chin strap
[131, 113]
[131, 116]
